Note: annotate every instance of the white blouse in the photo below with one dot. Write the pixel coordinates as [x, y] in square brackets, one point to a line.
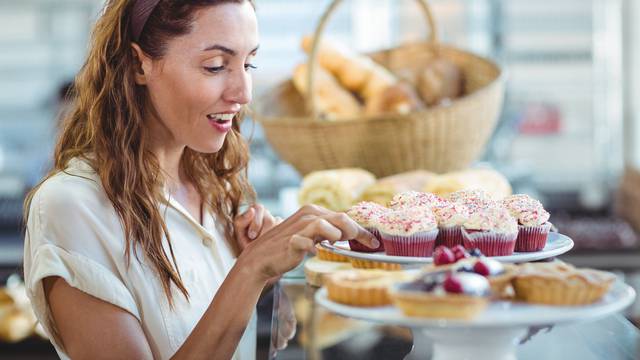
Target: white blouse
[74, 232]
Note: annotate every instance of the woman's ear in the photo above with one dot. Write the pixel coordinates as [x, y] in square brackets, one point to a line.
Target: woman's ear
[142, 64]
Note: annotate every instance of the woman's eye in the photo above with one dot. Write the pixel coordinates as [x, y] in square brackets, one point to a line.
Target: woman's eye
[214, 69]
[249, 66]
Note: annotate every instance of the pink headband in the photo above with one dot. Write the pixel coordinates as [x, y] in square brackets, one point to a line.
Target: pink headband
[141, 11]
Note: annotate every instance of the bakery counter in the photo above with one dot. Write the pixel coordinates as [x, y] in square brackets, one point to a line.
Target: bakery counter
[323, 335]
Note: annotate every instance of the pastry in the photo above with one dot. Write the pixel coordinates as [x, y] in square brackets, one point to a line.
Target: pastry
[333, 101]
[316, 270]
[450, 217]
[492, 230]
[474, 199]
[326, 255]
[440, 80]
[365, 214]
[533, 222]
[409, 231]
[357, 73]
[362, 287]
[369, 264]
[383, 190]
[557, 283]
[410, 199]
[336, 189]
[492, 182]
[398, 98]
[458, 259]
[443, 294]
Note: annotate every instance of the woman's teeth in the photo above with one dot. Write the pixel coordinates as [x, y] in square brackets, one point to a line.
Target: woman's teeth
[220, 118]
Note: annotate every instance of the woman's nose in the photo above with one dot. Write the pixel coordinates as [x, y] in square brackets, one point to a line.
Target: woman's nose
[239, 88]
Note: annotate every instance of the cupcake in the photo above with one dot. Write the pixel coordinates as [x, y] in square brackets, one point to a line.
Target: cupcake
[410, 199]
[458, 259]
[557, 283]
[442, 295]
[365, 213]
[533, 222]
[492, 230]
[408, 231]
[362, 287]
[474, 199]
[450, 217]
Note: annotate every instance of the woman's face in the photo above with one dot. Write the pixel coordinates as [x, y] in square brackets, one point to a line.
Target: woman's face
[203, 79]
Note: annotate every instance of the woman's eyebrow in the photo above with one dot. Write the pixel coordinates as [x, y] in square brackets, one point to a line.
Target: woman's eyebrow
[226, 49]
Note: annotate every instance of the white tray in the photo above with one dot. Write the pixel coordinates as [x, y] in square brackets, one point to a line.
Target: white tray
[492, 335]
[557, 244]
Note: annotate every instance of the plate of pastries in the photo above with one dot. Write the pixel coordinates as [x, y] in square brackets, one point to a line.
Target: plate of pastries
[476, 290]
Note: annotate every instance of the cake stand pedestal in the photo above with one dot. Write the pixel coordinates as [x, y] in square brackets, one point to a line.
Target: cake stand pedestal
[493, 335]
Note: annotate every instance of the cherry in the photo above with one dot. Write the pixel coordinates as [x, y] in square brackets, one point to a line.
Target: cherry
[443, 256]
[481, 268]
[459, 252]
[452, 285]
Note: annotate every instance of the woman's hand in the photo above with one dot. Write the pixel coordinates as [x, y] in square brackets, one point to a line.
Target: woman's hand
[284, 246]
[255, 221]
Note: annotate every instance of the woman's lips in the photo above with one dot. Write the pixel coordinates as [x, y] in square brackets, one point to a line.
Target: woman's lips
[222, 127]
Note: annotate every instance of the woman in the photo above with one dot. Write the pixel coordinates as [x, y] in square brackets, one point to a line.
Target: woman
[135, 247]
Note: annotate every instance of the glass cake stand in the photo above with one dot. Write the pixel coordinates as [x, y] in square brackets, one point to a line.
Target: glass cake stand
[557, 244]
[493, 335]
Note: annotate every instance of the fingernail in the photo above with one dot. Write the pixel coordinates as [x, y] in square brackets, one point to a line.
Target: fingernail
[374, 243]
[252, 234]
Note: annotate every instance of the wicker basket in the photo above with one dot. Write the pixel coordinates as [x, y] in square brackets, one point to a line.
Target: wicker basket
[440, 138]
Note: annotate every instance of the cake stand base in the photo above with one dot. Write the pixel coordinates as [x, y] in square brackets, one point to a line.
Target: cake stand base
[465, 344]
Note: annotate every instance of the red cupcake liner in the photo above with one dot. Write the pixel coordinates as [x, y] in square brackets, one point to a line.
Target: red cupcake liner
[532, 238]
[356, 246]
[490, 243]
[449, 236]
[419, 244]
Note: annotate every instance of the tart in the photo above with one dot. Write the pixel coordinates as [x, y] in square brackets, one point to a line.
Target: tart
[443, 295]
[557, 283]
[362, 287]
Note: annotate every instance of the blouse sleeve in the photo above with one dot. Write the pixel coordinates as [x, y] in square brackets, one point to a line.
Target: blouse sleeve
[68, 236]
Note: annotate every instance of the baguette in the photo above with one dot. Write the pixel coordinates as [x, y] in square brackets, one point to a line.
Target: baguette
[357, 73]
[333, 101]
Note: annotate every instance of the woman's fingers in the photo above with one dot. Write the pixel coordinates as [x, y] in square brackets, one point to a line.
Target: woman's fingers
[241, 223]
[243, 220]
[351, 230]
[268, 221]
[301, 243]
[256, 225]
[321, 229]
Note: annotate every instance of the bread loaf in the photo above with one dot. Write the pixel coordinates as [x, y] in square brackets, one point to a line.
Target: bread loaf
[440, 79]
[357, 73]
[332, 101]
[383, 190]
[336, 189]
[399, 98]
[486, 179]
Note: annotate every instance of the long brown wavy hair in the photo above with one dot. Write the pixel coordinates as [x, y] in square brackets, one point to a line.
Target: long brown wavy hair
[105, 126]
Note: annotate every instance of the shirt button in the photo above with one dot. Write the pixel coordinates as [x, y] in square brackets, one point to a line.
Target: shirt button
[206, 241]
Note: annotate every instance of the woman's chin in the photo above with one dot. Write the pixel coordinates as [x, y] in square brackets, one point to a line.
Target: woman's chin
[210, 148]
